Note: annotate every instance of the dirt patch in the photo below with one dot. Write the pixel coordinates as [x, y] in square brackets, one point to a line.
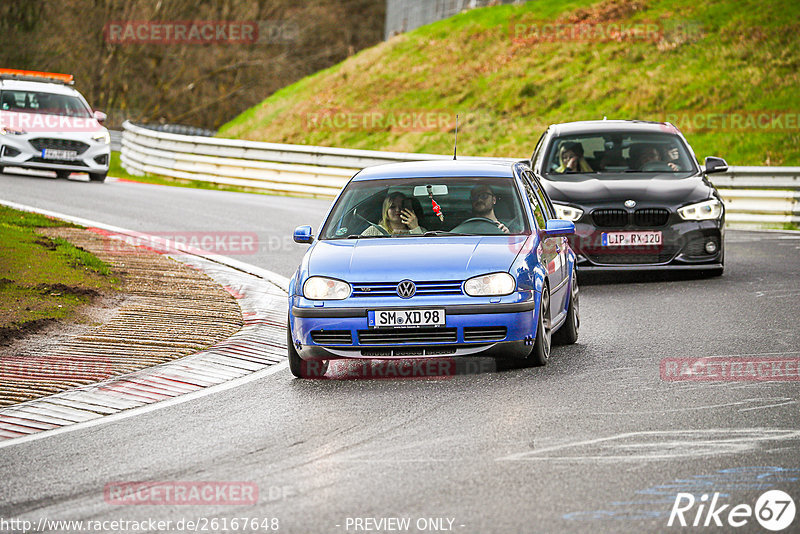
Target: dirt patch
[61, 289]
[165, 310]
[8, 334]
[607, 11]
[46, 243]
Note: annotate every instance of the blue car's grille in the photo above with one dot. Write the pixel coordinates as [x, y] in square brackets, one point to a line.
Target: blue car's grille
[392, 336]
[389, 289]
[332, 337]
[484, 333]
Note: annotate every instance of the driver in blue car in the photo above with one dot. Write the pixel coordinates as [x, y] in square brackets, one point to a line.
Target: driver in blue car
[483, 201]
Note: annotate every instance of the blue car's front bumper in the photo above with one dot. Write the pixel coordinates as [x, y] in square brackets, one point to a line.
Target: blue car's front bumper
[504, 330]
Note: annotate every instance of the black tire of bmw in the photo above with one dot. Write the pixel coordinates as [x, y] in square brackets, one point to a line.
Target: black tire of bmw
[568, 333]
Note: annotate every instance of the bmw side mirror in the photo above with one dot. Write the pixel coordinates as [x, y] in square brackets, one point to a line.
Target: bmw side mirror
[100, 116]
[559, 227]
[302, 234]
[715, 165]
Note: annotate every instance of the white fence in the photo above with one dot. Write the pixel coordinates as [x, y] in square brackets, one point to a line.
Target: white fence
[754, 196]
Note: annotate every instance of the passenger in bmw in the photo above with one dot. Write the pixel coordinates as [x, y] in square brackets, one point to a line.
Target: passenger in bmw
[571, 158]
[397, 217]
[483, 202]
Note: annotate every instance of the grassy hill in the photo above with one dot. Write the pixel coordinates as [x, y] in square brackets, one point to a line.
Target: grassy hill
[725, 72]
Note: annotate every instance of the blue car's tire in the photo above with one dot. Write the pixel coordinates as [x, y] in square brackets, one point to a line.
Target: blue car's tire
[541, 346]
[301, 368]
[568, 333]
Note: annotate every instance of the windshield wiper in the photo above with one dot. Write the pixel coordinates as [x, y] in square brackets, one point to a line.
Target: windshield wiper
[432, 233]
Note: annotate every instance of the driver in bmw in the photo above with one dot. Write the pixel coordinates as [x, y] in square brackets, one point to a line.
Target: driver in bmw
[483, 201]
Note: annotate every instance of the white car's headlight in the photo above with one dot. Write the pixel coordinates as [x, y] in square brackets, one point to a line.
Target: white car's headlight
[103, 137]
[322, 288]
[567, 212]
[490, 285]
[5, 130]
[710, 209]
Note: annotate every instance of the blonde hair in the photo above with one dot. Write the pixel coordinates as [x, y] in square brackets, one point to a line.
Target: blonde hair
[385, 209]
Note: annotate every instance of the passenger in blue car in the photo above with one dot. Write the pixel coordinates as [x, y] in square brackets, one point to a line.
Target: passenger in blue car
[397, 218]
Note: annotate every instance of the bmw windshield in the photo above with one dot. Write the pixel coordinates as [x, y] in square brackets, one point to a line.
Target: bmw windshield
[608, 155]
[426, 207]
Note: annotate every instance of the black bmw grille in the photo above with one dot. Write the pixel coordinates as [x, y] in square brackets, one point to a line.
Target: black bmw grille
[484, 333]
[649, 217]
[610, 218]
[390, 336]
[332, 337]
[389, 289]
[40, 143]
[633, 256]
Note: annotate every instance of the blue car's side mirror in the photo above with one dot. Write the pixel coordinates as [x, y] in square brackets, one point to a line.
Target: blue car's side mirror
[559, 227]
[302, 234]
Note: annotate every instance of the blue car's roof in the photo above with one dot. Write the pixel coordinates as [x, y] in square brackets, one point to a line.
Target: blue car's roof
[437, 169]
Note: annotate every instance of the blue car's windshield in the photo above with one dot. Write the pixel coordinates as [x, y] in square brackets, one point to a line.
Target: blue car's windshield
[426, 206]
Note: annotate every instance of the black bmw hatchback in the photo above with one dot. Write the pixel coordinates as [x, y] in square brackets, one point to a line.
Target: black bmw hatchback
[636, 193]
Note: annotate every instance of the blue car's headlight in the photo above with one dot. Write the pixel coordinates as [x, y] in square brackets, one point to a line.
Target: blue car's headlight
[322, 288]
[490, 285]
[702, 211]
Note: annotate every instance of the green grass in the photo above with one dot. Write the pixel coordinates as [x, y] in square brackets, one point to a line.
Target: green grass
[707, 61]
[43, 278]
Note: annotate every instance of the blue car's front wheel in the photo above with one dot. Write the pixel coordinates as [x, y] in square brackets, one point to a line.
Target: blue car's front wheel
[541, 346]
[300, 367]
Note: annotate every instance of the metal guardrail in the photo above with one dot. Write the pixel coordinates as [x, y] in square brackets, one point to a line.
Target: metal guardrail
[754, 196]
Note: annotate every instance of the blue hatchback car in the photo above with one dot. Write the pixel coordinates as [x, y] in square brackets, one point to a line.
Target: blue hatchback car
[430, 260]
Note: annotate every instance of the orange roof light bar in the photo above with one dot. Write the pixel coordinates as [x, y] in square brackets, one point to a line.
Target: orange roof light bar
[36, 76]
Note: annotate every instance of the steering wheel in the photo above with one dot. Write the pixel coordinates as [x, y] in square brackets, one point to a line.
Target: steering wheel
[654, 166]
[381, 228]
[477, 221]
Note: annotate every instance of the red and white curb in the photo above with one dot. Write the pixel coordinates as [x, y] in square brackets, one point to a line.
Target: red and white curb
[257, 350]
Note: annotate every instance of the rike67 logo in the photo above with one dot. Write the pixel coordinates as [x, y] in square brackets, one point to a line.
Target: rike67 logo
[774, 510]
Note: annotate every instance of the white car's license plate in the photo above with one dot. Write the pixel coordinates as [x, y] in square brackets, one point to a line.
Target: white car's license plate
[391, 318]
[64, 155]
[631, 239]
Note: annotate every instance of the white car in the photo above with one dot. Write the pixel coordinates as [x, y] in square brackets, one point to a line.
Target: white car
[46, 124]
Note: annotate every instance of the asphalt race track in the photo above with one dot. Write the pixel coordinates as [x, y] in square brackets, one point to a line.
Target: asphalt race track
[597, 441]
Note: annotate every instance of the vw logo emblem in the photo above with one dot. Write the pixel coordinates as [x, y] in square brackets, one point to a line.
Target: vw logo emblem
[630, 203]
[406, 289]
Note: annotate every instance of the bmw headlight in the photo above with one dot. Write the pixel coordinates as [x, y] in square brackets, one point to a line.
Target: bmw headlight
[490, 285]
[567, 212]
[322, 288]
[103, 137]
[701, 211]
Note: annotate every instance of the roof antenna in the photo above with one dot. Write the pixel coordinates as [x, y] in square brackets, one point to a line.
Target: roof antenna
[455, 146]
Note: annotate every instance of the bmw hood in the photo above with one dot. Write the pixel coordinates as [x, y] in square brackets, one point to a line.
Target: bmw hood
[417, 258]
[664, 189]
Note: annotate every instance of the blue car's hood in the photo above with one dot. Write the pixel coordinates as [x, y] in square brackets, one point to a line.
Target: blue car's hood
[415, 258]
